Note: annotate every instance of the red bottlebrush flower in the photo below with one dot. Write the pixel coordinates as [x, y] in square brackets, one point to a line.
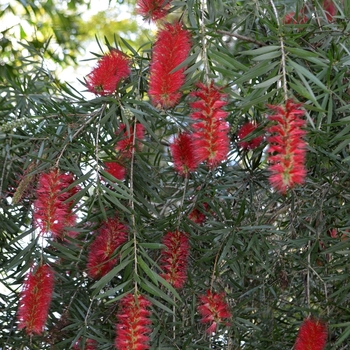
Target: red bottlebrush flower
[211, 130]
[312, 335]
[90, 344]
[110, 70]
[197, 216]
[116, 169]
[184, 154]
[171, 48]
[153, 9]
[213, 309]
[132, 331]
[330, 10]
[286, 147]
[35, 299]
[110, 236]
[52, 208]
[245, 130]
[124, 145]
[292, 18]
[174, 258]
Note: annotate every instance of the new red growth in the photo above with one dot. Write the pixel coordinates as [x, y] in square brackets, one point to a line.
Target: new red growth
[132, 330]
[174, 258]
[35, 299]
[153, 9]
[110, 236]
[286, 147]
[312, 335]
[213, 310]
[110, 70]
[171, 48]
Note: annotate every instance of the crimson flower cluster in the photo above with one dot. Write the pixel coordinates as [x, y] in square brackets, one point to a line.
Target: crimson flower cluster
[153, 10]
[52, 208]
[174, 258]
[35, 299]
[210, 136]
[110, 70]
[213, 310]
[245, 131]
[183, 153]
[312, 335]
[172, 46]
[209, 141]
[90, 344]
[124, 148]
[110, 236]
[286, 147]
[132, 330]
[330, 10]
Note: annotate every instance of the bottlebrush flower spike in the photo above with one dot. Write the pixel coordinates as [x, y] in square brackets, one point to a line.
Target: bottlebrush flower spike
[153, 9]
[116, 169]
[184, 154]
[52, 208]
[286, 147]
[110, 70]
[244, 131]
[330, 10]
[35, 299]
[132, 331]
[174, 258]
[124, 145]
[110, 236]
[90, 344]
[210, 129]
[171, 48]
[197, 216]
[213, 310]
[312, 335]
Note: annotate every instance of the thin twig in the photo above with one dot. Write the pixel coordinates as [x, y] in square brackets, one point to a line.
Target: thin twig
[204, 43]
[283, 54]
[242, 37]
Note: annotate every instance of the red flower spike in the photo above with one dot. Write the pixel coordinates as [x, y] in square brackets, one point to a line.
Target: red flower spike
[330, 10]
[197, 216]
[116, 169]
[171, 48]
[213, 310]
[153, 9]
[184, 155]
[174, 258]
[35, 300]
[292, 18]
[124, 145]
[90, 344]
[52, 208]
[210, 136]
[132, 330]
[110, 236]
[312, 335]
[244, 131]
[110, 70]
[286, 147]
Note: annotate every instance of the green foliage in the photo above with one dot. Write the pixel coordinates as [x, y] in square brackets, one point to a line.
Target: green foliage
[273, 255]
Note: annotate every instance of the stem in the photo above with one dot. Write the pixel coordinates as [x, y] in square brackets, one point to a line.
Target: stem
[242, 37]
[204, 43]
[131, 202]
[283, 54]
